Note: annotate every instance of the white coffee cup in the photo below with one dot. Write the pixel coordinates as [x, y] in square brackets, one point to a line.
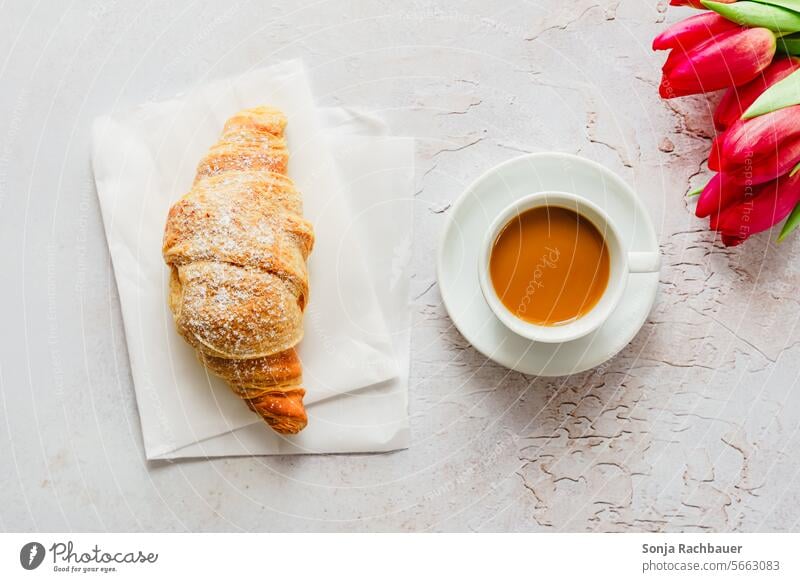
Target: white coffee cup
[621, 263]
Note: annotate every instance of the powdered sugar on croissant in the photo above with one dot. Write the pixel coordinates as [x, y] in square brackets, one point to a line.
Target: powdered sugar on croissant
[237, 246]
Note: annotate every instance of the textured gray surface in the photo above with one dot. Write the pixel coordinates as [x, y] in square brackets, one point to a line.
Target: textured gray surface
[692, 427]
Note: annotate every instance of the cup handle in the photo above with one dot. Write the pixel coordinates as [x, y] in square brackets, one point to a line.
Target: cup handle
[639, 262]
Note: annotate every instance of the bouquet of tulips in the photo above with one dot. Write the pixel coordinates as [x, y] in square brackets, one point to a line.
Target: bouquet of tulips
[747, 47]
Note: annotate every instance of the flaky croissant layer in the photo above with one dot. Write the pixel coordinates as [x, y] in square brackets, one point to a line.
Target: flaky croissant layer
[237, 246]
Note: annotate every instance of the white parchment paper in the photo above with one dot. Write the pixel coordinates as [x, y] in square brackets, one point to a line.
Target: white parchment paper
[143, 161]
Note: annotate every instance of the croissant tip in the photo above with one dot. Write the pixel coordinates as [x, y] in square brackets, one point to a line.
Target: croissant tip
[282, 411]
[285, 425]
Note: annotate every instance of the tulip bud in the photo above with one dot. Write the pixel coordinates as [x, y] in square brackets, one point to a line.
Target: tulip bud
[720, 193]
[737, 99]
[692, 31]
[725, 60]
[769, 204]
[760, 149]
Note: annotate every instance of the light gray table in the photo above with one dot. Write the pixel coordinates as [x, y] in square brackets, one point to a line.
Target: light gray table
[692, 427]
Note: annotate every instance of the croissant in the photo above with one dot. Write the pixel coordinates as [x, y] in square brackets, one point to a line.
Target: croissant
[236, 245]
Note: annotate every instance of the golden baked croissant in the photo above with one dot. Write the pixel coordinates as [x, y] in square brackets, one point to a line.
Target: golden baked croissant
[237, 245]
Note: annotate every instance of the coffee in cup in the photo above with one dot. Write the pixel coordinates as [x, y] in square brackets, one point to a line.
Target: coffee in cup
[549, 265]
[554, 266]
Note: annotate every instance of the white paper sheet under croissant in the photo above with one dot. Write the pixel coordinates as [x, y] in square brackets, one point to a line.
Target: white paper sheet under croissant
[143, 161]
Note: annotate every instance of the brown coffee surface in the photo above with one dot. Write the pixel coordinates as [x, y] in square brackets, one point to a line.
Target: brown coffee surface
[549, 265]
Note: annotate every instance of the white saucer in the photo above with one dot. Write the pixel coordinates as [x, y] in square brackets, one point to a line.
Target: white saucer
[467, 224]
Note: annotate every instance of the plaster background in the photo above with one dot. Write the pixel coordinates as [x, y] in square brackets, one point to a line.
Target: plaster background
[692, 427]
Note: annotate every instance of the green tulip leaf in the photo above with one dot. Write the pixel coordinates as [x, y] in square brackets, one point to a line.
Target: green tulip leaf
[791, 223]
[782, 94]
[755, 14]
[789, 45]
[794, 170]
[788, 4]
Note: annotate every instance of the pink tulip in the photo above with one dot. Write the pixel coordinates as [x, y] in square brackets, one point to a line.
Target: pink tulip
[768, 205]
[692, 31]
[738, 99]
[760, 149]
[725, 60]
[718, 194]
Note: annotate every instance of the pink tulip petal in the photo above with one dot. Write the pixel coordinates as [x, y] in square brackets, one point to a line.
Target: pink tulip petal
[770, 203]
[720, 193]
[692, 31]
[727, 59]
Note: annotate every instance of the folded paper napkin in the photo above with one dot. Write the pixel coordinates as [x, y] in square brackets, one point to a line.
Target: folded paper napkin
[357, 193]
